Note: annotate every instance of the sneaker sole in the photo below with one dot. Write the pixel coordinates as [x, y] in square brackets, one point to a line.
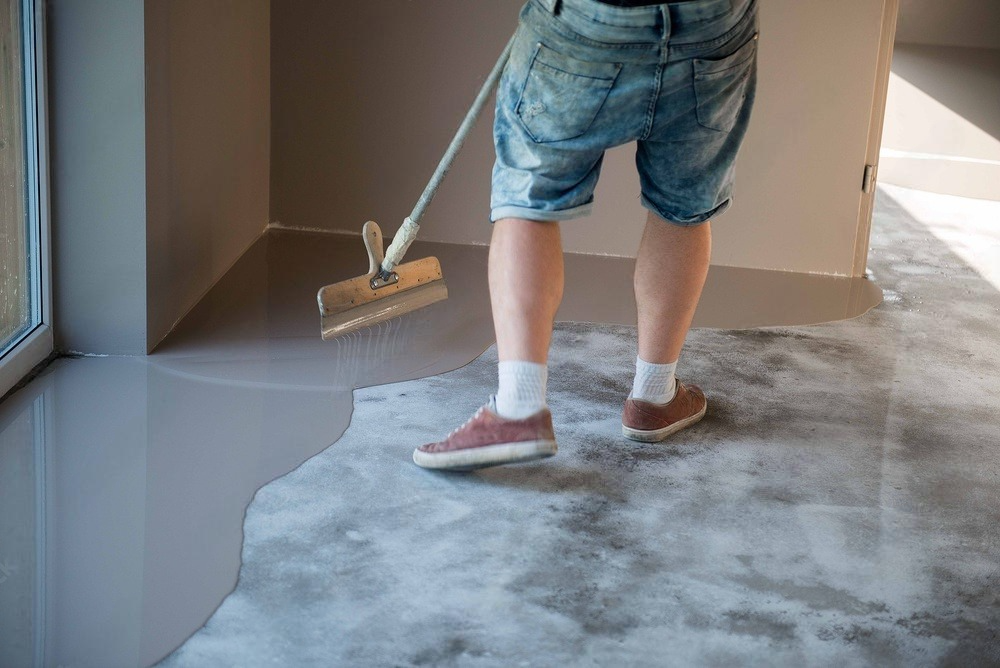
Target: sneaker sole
[470, 459]
[656, 435]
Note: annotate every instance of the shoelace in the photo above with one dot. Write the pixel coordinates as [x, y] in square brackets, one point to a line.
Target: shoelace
[467, 422]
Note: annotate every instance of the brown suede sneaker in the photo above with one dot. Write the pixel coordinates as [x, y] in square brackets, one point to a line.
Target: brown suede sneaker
[648, 422]
[488, 439]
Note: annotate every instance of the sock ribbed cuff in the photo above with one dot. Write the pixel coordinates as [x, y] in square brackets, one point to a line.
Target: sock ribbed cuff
[654, 383]
[522, 389]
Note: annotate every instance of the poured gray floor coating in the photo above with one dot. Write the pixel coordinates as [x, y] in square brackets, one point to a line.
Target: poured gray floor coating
[847, 516]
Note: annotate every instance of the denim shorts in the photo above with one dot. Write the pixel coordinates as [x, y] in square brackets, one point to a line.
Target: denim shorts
[584, 76]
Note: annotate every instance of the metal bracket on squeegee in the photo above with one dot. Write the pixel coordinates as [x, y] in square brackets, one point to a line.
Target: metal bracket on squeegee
[372, 234]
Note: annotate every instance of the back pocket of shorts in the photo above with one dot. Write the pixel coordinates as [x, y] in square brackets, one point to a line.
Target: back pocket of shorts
[562, 96]
[720, 86]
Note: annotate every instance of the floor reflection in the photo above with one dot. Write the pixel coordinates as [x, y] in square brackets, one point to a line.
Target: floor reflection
[137, 478]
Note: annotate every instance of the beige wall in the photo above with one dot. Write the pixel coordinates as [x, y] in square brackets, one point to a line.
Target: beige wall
[208, 146]
[942, 123]
[973, 23]
[365, 97]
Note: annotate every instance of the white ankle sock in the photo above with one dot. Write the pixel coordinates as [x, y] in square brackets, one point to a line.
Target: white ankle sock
[654, 382]
[522, 389]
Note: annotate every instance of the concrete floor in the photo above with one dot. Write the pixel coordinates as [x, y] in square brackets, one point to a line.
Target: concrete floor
[138, 472]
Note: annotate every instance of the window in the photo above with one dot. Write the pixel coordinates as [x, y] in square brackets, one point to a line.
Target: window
[25, 333]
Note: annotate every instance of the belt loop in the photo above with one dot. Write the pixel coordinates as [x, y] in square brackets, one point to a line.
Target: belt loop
[556, 6]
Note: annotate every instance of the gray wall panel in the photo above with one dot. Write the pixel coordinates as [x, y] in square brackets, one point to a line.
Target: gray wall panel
[97, 126]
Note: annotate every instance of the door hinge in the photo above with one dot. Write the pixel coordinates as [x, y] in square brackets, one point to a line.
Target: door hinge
[868, 181]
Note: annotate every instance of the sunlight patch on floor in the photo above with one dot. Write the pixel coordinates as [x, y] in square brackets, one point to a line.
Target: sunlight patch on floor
[969, 227]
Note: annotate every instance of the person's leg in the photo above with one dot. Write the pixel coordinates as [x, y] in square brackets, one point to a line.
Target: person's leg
[670, 271]
[526, 287]
[526, 284]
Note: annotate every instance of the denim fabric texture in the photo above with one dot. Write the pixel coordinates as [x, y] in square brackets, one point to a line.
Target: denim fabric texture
[584, 76]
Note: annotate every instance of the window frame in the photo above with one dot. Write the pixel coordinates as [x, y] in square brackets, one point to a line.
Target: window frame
[36, 344]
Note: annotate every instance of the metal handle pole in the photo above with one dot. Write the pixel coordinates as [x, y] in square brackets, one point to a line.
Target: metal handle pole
[408, 231]
[461, 135]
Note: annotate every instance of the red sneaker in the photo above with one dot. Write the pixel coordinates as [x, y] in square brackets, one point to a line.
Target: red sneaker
[488, 439]
[648, 422]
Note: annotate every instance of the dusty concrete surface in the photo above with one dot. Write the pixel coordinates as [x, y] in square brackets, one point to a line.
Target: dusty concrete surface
[838, 505]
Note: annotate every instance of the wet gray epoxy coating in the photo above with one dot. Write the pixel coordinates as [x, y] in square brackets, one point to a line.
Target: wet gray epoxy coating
[150, 463]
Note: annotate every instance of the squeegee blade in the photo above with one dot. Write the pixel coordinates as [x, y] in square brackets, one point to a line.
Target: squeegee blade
[385, 308]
